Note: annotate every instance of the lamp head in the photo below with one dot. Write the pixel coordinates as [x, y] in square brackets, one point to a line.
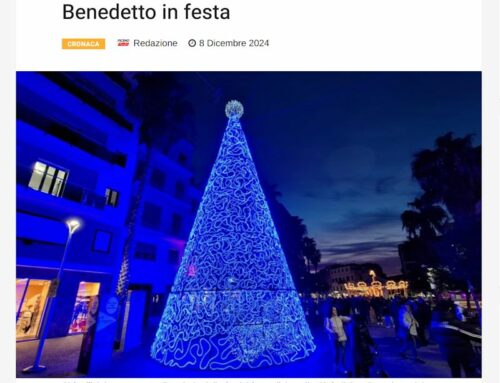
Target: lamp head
[73, 225]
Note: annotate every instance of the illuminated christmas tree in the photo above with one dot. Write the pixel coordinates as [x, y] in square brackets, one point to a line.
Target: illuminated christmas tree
[233, 303]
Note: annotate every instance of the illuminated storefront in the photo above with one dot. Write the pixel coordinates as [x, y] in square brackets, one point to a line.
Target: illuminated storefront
[31, 299]
[87, 293]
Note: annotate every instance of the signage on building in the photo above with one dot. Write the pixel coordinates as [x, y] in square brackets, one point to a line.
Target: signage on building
[97, 344]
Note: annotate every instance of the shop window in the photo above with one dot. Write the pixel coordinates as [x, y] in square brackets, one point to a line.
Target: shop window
[145, 251]
[48, 179]
[102, 241]
[31, 302]
[21, 285]
[86, 299]
[111, 197]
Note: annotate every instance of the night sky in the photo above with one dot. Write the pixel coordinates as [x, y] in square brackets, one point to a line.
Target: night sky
[338, 145]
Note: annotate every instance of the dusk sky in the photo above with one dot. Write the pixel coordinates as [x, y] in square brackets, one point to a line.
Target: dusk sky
[338, 145]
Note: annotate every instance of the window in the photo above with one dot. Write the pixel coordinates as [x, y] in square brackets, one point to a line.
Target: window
[173, 256]
[176, 224]
[151, 216]
[111, 197]
[31, 303]
[145, 251]
[85, 303]
[179, 190]
[158, 179]
[48, 179]
[102, 241]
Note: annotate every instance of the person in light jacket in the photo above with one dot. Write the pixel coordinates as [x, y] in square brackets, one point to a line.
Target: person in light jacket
[334, 325]
[408, 326]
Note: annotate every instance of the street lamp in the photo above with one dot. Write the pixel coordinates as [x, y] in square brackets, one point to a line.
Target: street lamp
[73, 224]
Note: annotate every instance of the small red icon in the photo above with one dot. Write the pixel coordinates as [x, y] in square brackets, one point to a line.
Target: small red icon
[123, 42]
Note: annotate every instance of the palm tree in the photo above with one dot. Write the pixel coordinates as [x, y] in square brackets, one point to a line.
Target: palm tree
[451, 174]
[450, 207]
[424, 220]
[157, 101]
[311, 253]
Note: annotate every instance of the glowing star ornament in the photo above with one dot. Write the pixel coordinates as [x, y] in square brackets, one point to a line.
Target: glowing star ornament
[234, 109]
[233, 303]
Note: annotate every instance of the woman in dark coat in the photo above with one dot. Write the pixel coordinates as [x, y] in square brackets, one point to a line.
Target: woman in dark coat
[362, 344]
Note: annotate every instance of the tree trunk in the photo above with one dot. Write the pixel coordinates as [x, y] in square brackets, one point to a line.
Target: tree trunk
[133, 215]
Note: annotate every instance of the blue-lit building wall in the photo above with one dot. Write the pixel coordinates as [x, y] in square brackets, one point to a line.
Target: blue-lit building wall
[75, 122]
[169, 202]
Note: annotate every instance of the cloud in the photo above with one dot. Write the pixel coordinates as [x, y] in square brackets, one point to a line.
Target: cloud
[385, 185]
[384, 253]
[361, 247]
[328, 187]
[363, 220]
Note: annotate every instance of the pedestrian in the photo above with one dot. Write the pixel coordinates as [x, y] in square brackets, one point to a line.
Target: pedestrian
[362, 347]
[423, 316]
[386, 312]
[334, 325]
[395, 306]
[408, 326]
[454, 338]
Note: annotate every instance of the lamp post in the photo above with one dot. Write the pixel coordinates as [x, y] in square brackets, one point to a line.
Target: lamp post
[73, 225]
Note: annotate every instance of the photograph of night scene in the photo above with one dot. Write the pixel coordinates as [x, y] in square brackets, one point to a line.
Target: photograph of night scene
[248, 224]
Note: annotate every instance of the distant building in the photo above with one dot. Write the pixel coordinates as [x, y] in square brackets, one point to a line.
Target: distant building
[76, 155]
[336, 276]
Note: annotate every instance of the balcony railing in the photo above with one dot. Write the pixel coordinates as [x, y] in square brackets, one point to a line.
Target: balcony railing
[70, 191]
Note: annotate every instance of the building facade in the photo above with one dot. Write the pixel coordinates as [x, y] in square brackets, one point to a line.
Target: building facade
[78, 153]
[337, 276]
[168, 205]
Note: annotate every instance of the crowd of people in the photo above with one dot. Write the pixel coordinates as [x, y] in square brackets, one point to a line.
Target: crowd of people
[416, 323]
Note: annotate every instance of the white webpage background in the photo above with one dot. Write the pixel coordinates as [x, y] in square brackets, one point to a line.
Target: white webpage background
[347, 35]
[350, 35]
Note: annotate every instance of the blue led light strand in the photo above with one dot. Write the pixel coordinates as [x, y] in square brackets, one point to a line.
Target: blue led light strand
[233, 303]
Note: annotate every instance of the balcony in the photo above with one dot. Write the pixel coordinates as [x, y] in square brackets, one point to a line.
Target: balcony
[49, 125]
[70, 191]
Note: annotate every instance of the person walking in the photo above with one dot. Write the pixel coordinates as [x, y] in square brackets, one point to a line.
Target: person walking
[362, 347]
[423, 316]
[454, 338]
[408, 326]
[334, 325]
